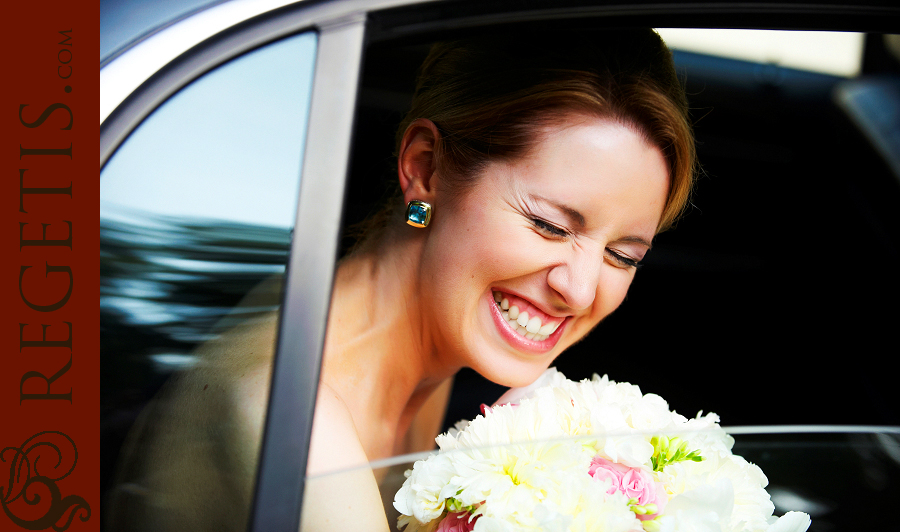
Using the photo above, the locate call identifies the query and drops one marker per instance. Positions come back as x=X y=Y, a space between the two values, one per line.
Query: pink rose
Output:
x=635 y=483
x=602 y=469
x=457 y=522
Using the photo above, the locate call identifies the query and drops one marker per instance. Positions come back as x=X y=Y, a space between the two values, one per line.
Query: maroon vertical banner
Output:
x=49 y=278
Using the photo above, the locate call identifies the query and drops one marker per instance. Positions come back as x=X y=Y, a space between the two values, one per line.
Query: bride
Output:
x=535 y=177
x=534 y=172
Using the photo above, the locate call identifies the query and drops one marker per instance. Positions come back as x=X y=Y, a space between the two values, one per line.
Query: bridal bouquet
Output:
x=594 y=455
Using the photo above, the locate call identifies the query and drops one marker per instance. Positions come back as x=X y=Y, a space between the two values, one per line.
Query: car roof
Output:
x=127 y=26
x=125 y=22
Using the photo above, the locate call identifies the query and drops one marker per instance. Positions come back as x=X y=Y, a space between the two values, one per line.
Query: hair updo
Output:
x=492 y=97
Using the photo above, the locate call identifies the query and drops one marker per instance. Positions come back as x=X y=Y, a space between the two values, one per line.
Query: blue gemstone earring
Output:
x=418 y=213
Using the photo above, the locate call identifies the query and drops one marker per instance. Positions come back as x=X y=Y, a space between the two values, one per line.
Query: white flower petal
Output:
x=791 y=522
x=523 y=466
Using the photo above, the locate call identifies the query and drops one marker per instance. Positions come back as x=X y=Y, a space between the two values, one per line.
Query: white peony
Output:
x=420 y=496
x=651 y=414
x=704 y=509
x=791 y=522
x=524 y=466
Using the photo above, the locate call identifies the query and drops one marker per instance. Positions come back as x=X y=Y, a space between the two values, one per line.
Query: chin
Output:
x=515 y=374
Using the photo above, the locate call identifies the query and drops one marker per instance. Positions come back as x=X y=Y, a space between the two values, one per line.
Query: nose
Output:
x=576 y=279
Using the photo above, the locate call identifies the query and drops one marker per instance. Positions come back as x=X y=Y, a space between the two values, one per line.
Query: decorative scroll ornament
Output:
x=31 y=498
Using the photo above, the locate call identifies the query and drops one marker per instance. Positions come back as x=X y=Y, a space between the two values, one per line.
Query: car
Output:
x=241 y=140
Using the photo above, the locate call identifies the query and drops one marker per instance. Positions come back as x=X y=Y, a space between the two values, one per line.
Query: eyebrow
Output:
x=574 y=216
x=636 y=240
x=578 y=219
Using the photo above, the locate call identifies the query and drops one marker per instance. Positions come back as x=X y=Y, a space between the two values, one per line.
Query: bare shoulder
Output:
x=335 y=440
x=341 y=491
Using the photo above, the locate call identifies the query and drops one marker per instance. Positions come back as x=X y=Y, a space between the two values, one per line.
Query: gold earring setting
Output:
x=418 y=213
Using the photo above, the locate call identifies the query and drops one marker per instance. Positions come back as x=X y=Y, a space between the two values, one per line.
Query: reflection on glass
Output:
x=196 y=213
x=836 y=477
x=830 y=476
x=828 y=52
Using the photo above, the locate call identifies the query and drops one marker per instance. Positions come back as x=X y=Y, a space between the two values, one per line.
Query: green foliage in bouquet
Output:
x=455 y=505
x=670 y=451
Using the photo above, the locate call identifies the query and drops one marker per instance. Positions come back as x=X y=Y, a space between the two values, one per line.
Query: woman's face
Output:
x=554 y=235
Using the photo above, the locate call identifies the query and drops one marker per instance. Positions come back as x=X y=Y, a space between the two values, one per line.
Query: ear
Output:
x=416 y=161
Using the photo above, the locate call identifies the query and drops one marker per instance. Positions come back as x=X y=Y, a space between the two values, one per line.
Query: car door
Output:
x=152 y=260
x=198 y=206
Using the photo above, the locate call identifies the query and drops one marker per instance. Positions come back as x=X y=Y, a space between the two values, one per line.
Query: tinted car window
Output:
x=197 y=209
x=862 y=465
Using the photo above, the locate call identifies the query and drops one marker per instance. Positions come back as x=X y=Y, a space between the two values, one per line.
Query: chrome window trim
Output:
x=152 y=84
x=149 y=84
x=142 y=76
x=119 y=78
x=295 y=375
x=186 y=68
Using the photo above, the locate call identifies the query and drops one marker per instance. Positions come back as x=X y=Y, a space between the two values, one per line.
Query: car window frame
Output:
x=344 y=27
x=308 y=281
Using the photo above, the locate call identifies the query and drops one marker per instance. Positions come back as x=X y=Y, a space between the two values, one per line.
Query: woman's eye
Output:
x=548 y=228
x=622 y=260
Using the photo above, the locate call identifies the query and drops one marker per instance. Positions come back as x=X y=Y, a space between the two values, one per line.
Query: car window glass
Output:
x=196 y=213
x=862 y=466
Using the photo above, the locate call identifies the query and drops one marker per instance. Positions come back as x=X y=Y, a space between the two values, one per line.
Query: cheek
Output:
x=611 y=293
x=613 y=289
x=466 y=252
x=489 y=244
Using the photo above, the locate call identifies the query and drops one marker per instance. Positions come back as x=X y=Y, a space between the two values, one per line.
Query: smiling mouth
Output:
x=523 y=317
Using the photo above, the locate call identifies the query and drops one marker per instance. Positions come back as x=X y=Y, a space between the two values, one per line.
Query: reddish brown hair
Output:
x=492 y=97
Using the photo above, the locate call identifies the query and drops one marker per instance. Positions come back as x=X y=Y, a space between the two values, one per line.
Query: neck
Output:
x=379 y=356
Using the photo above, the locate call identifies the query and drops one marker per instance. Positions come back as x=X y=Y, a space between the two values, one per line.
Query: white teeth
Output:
x=531 y=327
x=525 y=332
x=523 y=319
x=549 y=329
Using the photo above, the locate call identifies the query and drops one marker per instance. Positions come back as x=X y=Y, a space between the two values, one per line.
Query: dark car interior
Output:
x=777 y=289
x=772 y=302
